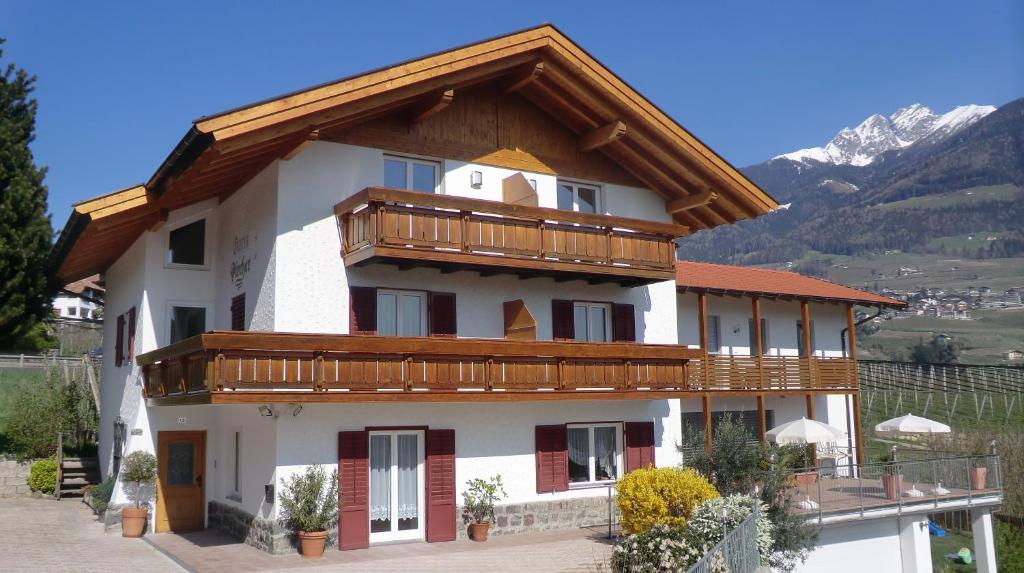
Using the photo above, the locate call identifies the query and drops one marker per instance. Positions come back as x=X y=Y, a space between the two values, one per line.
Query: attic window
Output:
x=577 y=197
x=186 y=245
x=411 y=174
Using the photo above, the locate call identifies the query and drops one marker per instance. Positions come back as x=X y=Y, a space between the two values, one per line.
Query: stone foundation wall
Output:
x=265 y=534
x=545 y=516
x=14 y=478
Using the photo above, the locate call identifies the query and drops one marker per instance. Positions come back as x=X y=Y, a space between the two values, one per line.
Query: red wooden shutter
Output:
x=440 y=483
x=354 y=485
x=238 y=312
x=119 y=342
x=552 y=444
x=623 y=323
x=639 y=445
x=362 y=310
x=563 y=325
x=131 y=334
x=442 y=314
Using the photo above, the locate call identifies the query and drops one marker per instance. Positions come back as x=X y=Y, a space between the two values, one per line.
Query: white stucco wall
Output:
x=62 y=303
x=858 y=546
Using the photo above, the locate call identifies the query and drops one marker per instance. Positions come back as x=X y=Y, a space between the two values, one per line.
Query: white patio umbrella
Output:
x=911 y=424
x=804 y=431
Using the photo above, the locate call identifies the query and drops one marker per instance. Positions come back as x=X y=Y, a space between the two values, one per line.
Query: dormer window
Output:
x=579 y=197
x=186 y=245
x=412 y=174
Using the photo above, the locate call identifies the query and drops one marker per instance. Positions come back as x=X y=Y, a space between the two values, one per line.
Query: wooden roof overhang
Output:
x=220 y=153
x=790 y=297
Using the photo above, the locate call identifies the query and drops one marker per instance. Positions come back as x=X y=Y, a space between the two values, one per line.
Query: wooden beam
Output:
x=805 y=320
x=431 y=105
x=293 y=149
x=159 y=220
x=602 y=136
x=755 y=304
x=523 y=76
x=691 y=202
x=810 y=416
x=762 y=420
x=858 y=432
x=706 y=402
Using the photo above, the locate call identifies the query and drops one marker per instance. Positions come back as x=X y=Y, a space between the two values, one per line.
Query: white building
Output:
x=453 y=268
x=80 y=300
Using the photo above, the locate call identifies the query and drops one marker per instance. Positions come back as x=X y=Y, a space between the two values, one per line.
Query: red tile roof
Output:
x=708 y=277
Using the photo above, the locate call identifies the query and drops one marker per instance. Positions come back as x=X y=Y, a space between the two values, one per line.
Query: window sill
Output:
x=591 y=485
x=184 y=267
x=233 y=497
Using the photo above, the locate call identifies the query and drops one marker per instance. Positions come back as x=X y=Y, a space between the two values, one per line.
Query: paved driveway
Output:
x=48 y=535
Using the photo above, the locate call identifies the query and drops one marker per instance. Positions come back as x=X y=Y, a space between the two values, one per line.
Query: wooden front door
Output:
x=180 y=494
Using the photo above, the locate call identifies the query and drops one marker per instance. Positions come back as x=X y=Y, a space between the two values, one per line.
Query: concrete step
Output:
x=79 y=463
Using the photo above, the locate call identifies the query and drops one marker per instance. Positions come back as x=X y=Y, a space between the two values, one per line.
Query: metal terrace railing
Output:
x=914 y=485
x=737 y=551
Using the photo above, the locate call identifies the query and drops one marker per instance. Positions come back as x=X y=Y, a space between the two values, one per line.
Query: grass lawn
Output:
x=951 y=543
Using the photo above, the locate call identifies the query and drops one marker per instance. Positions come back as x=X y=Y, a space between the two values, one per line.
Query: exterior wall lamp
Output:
x=476 y=179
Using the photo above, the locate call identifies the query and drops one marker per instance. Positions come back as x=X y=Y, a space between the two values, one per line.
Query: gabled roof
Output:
x=747 y=281
x=219 y=153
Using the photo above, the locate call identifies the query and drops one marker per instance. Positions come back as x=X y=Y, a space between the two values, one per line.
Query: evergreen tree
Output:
x=25 y=232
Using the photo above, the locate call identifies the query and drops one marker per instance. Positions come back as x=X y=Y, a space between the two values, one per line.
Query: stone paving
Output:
x=49 y=535
x=576 y=550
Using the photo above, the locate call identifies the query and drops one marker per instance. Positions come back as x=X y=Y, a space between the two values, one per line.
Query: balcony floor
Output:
x=845 y=495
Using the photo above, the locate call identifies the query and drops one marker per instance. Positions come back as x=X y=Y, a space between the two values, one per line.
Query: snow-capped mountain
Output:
x=878 y=134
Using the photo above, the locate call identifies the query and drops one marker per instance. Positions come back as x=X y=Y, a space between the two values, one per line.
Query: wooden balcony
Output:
x=774 y=374
x=457 y=233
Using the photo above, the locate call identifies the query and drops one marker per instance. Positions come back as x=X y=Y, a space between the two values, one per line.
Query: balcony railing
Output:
x=410 y=228
x=293 y=367
x=836 y=493
x=775 y=373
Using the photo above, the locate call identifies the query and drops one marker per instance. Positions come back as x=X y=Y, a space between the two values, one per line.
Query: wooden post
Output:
x=762 y=420
x=757 y=350
x=702 y=319
x=60 y=463
x=707 y=422
x=805 y=342
x=810 y=416
x=851 y=333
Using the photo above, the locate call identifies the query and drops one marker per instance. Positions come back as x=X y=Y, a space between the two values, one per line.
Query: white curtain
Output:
x=380 y=478
x=579 y=454
x=604 y=453
x=408 y=460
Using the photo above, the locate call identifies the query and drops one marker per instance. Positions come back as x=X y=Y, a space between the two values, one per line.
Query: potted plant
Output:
x=479 y=499
x=798 y=458
x=309 y=506
x=138 y=472
x=978 y=470
x=892 y=479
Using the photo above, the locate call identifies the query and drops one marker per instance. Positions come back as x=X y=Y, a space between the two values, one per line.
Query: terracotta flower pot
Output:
x=133 y=521
x=978 y=477
x=478 y=531
x=806 y=478
x=892 y=484
x=312 y=543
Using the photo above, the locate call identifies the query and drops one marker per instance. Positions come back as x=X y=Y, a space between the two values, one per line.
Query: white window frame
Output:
x=607 y=319
x=421 y=518
x=592 y=462
x=575 y=186
x=235 y=472
x=207 y=243
x=72 y=311
x=424 y=297
x=409 y=160
x=171 y=305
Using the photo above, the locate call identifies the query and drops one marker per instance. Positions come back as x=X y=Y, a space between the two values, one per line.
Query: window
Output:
x=412 y=174
x=187 y=321
x=800 y=338
x=236 y=468
x=120 y=431
x=238 y=312
x=595 y=452
x=578 y=197
x=714 y=334
x=186 y=245
x=764 y=336
x=694 y=421
x=72 y=311
x=401 y=313
x=592 y=321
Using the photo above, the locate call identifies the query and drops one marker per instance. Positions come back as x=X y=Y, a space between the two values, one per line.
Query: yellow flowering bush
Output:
x=666 y=496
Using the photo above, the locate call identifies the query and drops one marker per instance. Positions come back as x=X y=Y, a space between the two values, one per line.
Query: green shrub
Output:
x=38 y=411
x=42 y=476
x=99 y=496
x=651 y=496
x=309 y=501
x=138 y=471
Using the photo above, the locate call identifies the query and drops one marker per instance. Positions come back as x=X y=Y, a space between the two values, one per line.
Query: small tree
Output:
x=480 y=497
x=138 y=471
x=309 y=502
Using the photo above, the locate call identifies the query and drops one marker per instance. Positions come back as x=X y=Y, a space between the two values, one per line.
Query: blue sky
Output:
x=120 y=82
